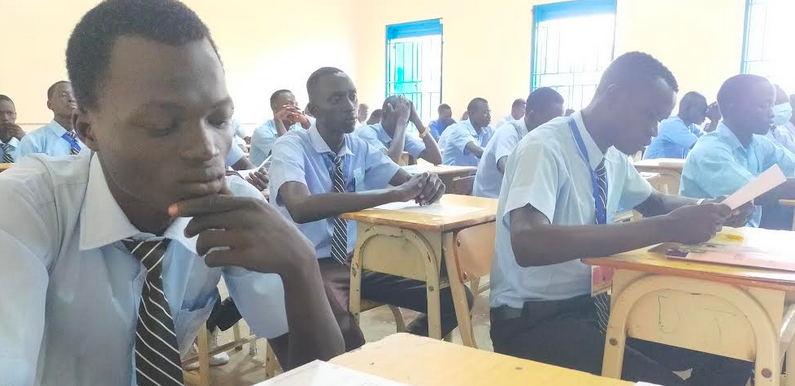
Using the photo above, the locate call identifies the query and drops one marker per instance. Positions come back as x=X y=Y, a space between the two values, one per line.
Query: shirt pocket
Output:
x=358 y=180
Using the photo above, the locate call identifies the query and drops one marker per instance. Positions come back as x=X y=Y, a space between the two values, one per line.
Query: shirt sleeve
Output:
x=535 y=181
x=371 y=137
x=28 y=145
x=636 y=188
x=715 y=171
x=459 y=138
x=678 y=133
x=780 y=156
x=504 y=143
x=413 y=145
x=287 y=165
x=262 y=142
x=235 y=154
x=379 y=168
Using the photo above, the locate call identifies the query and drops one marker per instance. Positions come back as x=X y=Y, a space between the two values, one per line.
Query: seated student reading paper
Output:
x=103 y=280
x=563 y=184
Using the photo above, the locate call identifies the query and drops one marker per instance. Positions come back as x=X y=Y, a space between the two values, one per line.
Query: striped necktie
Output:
x=74 y=148
x=339 y=240
x=7 y=157
x=602 y=300
x=157 y=360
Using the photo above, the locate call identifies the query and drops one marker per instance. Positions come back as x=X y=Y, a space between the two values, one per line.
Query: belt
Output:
x=504 y=313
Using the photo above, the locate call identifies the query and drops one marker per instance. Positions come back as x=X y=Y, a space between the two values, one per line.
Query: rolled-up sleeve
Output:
x=413 y=145
x=287 y=165
x=262 y=142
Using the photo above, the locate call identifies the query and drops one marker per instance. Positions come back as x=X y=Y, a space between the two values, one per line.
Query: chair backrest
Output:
x=474 y=252
x=462 y=185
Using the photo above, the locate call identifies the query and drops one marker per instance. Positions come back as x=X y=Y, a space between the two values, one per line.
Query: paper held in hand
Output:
x=760 y=185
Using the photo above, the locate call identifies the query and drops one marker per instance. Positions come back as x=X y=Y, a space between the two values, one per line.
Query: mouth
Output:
x=202 y=183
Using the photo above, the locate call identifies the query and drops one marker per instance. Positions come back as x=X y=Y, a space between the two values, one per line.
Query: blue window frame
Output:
x=414 y=64
x=572 y=45
x=767 y=44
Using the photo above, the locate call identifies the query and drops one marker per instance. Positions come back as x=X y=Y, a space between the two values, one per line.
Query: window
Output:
x=572 y=46
x=767 y=48
x=414 y=64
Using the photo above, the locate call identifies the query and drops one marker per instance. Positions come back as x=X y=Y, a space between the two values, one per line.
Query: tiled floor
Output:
x=245 y=370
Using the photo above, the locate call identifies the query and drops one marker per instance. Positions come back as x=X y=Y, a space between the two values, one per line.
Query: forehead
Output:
x=7 y=106
x=761 y=91
x=657 y=96
x=61 y=87
x=331 y=84
x=286 y=97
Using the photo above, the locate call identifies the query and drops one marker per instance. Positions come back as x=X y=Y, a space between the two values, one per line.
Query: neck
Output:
x=389 y=130
x=685 y=120
x=477 y=128
x=5 y=135
x=142 y=216
x=596 y=124
x=66 y=123
x=334 y=139
x=744 y=136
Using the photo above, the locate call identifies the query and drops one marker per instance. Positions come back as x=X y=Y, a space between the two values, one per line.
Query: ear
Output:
x=81 y=121
x=49 y=104
x=613 y=95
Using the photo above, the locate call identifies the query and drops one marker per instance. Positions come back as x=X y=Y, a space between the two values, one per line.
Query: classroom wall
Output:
x=265 y=45
x=487 y=44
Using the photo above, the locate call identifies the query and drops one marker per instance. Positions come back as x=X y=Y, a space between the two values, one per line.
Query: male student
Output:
x=321 y=173
x=441 y=123
x=464 y=141
x=390 y=134
x=57 y=138
x=724 y=161
x=563 y=184
x=375 y=117
x=361 y=114
x=517 y=112
x=543 y=104
x=286 y=116
x=10 y=132
x=782 y=132
x=677 y=134
x=111 y=259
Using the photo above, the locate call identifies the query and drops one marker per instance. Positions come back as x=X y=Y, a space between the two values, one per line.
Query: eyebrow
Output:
x=175 y=107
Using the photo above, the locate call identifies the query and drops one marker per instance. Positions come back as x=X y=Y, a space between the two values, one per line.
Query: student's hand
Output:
x=259 y=179
x=695 y=224
x=14 y=130
x=425 y=189
x=413 y=116
x=292 y=114
x=740 y=216
x=713 y=112
x=244 y=232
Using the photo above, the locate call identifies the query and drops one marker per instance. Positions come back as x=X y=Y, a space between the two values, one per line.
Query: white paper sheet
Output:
x=433 y=209
x=646 y=384
x=320 y=373
x=760 y=185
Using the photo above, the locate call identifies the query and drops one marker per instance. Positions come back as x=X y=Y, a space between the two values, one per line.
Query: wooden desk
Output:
x=670 y=170
x=445 y=172
x=413 y=242
x=426 y=362
x=4 y=167
x=738 y=312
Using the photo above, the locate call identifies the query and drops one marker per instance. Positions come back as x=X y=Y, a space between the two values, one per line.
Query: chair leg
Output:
x=462 y=311
x=204 y=357
x=474 y=286
x=270 y=361
x=252 y=344
x=400 y=324
x=236 y=334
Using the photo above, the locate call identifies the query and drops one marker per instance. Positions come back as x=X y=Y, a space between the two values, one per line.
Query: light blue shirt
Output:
x=13 y=149
x=235 y=154
x=488 y=179
x=547 y=171
x=673 y=139
x=784 y=136
x=377 y=137
x=47 y=139
x=303 y=156
x=70 y=291
x=263 y=139
x=456 y=138
x=719 y=165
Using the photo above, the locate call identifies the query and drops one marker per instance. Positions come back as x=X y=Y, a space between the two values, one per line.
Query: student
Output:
x=568 y=112
x=81 y=305
x=780 y=133
x=543 y=105
x=563 y=184
x=57 y=138
x=677 y=134
x=390 y=135
x=361 y=115
x=464 y=141
x=10 y=132
x=724 y=161
x=517 y=112
x=286 y=116
x=323 y=172
x=375 y=117
x=441 y=123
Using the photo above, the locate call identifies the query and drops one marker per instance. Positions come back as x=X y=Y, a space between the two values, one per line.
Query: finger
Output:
x=224 y=258
x=437 y=195
x=214 y=221
x=216 y=203
x=214 y=238
x=429 y=188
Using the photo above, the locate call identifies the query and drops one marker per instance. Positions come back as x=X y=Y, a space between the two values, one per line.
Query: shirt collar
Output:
x=383 y=136
x=320 y=145
x=470 y=127
x=56 y=128
x=595 y=155
x=13 y=142
x=728 y=137
x=520 y=126
x=102 y=222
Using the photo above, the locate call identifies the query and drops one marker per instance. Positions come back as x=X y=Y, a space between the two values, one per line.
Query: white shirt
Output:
x=547 y=171
x=488 y=179
x=69 y=289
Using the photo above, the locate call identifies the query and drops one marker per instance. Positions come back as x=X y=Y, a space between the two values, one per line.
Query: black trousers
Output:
x=565 y=333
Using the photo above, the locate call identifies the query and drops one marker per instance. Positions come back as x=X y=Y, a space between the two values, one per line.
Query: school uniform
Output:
x=235 y=152
x=263 y=139
x=457 y=136
x=377 y=137
x=784 y=136
x=8 y=151
x=674 y=139
x=507 y=119
x=51 y=139
x=488 y=179
x=303 y=156
x=546 y=313
x=438 y=127
x=70 y=289
x=719 y=165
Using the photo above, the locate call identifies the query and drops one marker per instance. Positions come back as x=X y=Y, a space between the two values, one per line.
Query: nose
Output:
x=200 y=145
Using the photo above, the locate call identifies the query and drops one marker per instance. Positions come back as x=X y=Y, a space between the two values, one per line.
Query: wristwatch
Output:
x=701 y=201
x=425 y=133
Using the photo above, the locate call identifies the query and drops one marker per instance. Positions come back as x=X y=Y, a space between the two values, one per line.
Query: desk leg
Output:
x=434 y=307
x=458 y=292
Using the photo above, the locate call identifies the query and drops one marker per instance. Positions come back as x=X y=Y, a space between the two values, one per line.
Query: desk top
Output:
x=4 y=167
x=661 y=163
x=440 y=169
x=427 y=362
x=644 y=260
x=451 y=212
x=781 y=202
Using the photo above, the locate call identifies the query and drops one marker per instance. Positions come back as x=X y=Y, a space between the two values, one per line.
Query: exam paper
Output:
x=760 y=185
x=434 y=209
x=319 y=373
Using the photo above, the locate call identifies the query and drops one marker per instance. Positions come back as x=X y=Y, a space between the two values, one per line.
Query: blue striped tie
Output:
x=339 y=239
x=602 y=300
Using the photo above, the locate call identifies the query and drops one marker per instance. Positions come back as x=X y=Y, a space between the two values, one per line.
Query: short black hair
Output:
x=442 y=107
x=518 y=102
x=690 y=97
x=276 y=94
x=4 y=97
x=393 y=100
x=315 y=78
x=736 y=88
x=51 y=90
x=473 y=104
x=91 y=43
x=635 y=68
x=542 y=98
